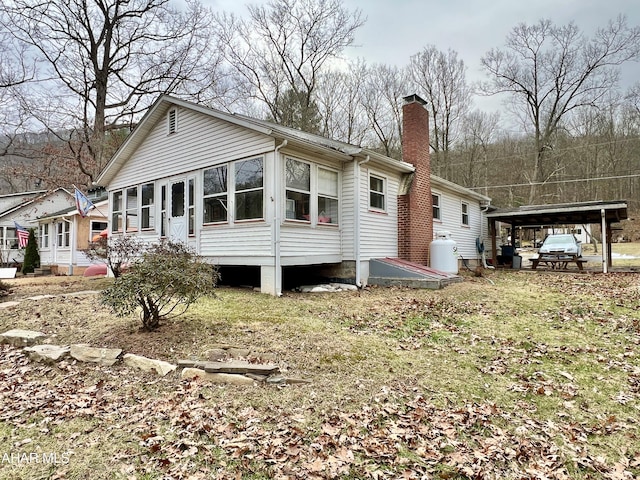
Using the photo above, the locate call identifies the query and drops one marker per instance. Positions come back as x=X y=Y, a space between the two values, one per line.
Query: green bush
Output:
x=31 y=254
x=164 y=281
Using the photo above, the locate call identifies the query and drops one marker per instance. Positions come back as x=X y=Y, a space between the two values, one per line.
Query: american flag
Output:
x=23 y=235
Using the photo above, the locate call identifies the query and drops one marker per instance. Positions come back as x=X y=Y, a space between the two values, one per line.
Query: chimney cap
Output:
x=414 y=98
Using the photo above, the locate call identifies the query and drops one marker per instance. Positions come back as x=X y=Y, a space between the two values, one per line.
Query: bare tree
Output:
x=477 y=133
x=284 y=46
x=441 y=78
x=551 y=71
x=339 y=100
x=15 y=68
x=104 y=60
x=383 y=90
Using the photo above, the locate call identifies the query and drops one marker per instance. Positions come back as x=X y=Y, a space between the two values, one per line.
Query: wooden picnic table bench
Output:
x=557 y=262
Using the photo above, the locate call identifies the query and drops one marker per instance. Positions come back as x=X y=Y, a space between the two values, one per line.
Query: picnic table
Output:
x=557 y=262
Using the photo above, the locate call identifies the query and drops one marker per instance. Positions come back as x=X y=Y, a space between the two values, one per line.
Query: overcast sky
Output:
x=397 y=29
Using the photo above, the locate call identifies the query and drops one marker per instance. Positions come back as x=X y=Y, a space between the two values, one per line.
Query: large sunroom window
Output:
x=249 y=177
x=148 y=207
x=298 y=178
x=116 y=211
x=215 y=195
x=327 y=196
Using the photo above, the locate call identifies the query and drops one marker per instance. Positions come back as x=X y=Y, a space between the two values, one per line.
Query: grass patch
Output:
x=524 y=375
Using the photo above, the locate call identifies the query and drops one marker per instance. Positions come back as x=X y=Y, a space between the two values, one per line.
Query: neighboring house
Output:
x=244 y=192
x=25 y=211
x=10 y=200
x=64 y=235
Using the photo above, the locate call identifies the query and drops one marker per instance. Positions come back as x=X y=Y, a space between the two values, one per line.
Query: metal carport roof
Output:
x=559 y=214
x=597 y=212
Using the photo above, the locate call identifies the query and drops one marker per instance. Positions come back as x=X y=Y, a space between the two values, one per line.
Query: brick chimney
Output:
x=415 y=210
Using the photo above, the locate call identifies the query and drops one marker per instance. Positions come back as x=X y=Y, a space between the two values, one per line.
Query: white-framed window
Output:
x=148 y=207
x=131 y=212
x=44 y=235
x=377 y=193
x=435 y=202
x=11 y=239
x=215 y=200
x=328 y=196
x=191 y=206
x=164 y=227
x=172 y=121
x=116 y=211
x=298 y=190
x=249 y=194
x=96 y=229
x=465 y=214
x=242 y=180
x=133 y=208
x=63 y=230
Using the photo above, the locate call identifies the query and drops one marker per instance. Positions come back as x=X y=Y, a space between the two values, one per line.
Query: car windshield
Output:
x=558 y=239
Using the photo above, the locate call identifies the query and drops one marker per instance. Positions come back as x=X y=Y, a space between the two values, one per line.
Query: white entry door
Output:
x=177 y=212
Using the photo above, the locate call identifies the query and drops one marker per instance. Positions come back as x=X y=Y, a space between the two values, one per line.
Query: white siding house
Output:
x=25 y=212
x=244 y=192
x=64 y=235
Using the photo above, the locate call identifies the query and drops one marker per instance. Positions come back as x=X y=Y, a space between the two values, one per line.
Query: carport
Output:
x=531 y=216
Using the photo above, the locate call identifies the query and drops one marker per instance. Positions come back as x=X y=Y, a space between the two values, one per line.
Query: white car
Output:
x=561 y=244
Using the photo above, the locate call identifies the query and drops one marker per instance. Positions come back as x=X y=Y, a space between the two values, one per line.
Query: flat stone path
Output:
x=13 y=303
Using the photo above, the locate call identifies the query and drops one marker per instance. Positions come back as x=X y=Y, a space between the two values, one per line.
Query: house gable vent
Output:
x=172 y=121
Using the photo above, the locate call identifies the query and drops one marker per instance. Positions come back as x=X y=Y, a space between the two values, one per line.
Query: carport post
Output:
x=605 y=248
x=494 y=248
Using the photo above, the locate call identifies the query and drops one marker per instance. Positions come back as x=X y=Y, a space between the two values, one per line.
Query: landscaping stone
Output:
x=21 y=338
x=239 y=352
x=103 y=356
x=187 y=363
x=280 y=380
x=148 y=364
x=41 y=297
x=265 y=357
x=47 y=353
x=215 y=354
x=276 y=380
x=8 y=304
x=228 y=378
x=238 y=366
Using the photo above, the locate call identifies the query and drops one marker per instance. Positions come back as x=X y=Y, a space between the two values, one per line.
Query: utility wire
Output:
x=575 y=180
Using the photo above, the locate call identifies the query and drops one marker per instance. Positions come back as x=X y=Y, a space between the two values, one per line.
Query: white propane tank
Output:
x=444 y=253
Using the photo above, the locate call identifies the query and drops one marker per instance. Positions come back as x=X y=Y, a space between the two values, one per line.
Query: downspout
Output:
x=277 y=220
x=356 y=219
